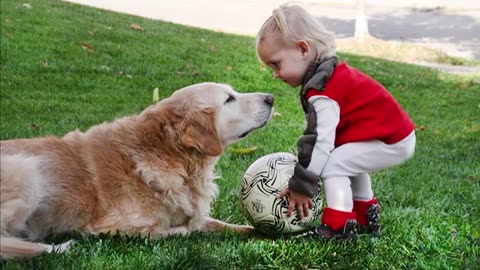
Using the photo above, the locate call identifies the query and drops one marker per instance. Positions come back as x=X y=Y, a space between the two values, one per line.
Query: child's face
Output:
x=288 y=62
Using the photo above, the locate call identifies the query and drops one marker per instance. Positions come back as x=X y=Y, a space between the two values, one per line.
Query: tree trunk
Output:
x=361 y=25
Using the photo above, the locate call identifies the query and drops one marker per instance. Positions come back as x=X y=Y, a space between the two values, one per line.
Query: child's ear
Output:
x=303 y=47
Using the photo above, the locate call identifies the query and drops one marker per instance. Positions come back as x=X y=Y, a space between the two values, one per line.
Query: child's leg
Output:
x=338 y=219
x=352 y=159
x=365 y=205
x=361 y=187
x=338 y=195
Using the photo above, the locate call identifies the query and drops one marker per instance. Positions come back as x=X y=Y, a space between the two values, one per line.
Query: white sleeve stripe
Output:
x=328 y=117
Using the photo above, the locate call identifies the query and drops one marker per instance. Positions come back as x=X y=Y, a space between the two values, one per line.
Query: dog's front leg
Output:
x=163 y=232
x=155 y=178
x=212 y=225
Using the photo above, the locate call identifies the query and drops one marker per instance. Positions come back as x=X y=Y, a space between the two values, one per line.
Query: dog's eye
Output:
x=230 y=99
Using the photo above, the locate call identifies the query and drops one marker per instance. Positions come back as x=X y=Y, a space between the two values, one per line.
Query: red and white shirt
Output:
x=353 y=107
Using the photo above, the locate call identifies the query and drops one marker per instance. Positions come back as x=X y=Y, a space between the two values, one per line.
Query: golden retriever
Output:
x=149 y=174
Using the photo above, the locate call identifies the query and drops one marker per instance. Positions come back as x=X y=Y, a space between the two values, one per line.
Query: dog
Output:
x=150 y=174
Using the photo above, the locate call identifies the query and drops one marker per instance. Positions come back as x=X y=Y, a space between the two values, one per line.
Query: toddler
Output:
x=354 y=125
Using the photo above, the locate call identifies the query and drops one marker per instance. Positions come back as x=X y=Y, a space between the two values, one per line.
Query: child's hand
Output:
x=302 y=202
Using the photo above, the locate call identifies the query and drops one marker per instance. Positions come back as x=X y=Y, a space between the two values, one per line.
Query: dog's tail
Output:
x=14 y=248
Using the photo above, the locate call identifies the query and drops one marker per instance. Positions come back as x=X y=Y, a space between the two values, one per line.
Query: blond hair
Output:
x=295 y=24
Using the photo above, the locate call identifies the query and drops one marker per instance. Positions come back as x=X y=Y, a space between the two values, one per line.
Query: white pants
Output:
x=345 y=175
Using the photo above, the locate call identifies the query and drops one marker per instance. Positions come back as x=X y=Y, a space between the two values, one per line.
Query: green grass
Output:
x=51 y=85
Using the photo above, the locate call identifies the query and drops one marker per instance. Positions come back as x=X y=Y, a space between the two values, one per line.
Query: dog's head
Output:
x=207 y=117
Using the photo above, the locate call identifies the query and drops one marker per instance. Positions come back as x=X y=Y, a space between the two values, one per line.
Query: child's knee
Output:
x=408 y=149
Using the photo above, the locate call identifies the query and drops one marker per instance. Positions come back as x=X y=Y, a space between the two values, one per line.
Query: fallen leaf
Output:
x=228 y=68
x=471 y=177
x=121 y=74
x=474 y=128
x=156 y=98
x=27 y=6
x=402 y=88
x=91 y=33
x=244 y=151
x=136 y=27
x=45 y=63
x=421 y=128
x=213 y=48
x=195 y=73
x=87 y=47
x=276 y=114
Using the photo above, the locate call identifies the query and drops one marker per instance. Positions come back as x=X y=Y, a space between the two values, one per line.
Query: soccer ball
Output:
x=261 y=184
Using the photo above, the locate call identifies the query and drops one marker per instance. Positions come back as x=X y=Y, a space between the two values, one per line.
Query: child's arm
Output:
x=327 y=119
x=315 y=145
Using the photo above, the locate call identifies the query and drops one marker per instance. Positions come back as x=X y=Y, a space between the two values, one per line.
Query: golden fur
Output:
x=149 y=174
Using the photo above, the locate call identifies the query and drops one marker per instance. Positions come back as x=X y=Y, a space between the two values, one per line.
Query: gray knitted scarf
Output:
x=317 y=76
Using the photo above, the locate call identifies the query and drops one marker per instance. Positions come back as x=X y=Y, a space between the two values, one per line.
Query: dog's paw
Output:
x=60 y=248
x=242 y=228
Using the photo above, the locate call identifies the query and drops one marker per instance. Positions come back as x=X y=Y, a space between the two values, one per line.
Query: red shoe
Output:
x=368 y=215
x=347 y=232
x=337 y=224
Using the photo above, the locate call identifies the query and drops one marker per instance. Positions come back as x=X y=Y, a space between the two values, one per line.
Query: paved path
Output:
x=455 y=32
x=453 y=28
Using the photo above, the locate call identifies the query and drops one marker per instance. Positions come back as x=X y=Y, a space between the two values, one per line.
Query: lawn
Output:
x=65 y=66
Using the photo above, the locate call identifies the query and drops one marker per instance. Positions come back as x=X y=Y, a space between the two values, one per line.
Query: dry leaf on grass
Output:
x=136 y=27
x=195 y=73
x=34 y=126
x=156 y=98
x=87 y=47
x=244 y=151
x=213 y=48
x=121 y=74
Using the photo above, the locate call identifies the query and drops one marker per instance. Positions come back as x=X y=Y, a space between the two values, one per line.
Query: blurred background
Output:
x=443 y=34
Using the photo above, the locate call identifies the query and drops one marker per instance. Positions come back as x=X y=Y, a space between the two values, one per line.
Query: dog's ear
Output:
x=199 y=131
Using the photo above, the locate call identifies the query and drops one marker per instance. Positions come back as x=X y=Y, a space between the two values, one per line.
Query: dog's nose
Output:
x=269 y=99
